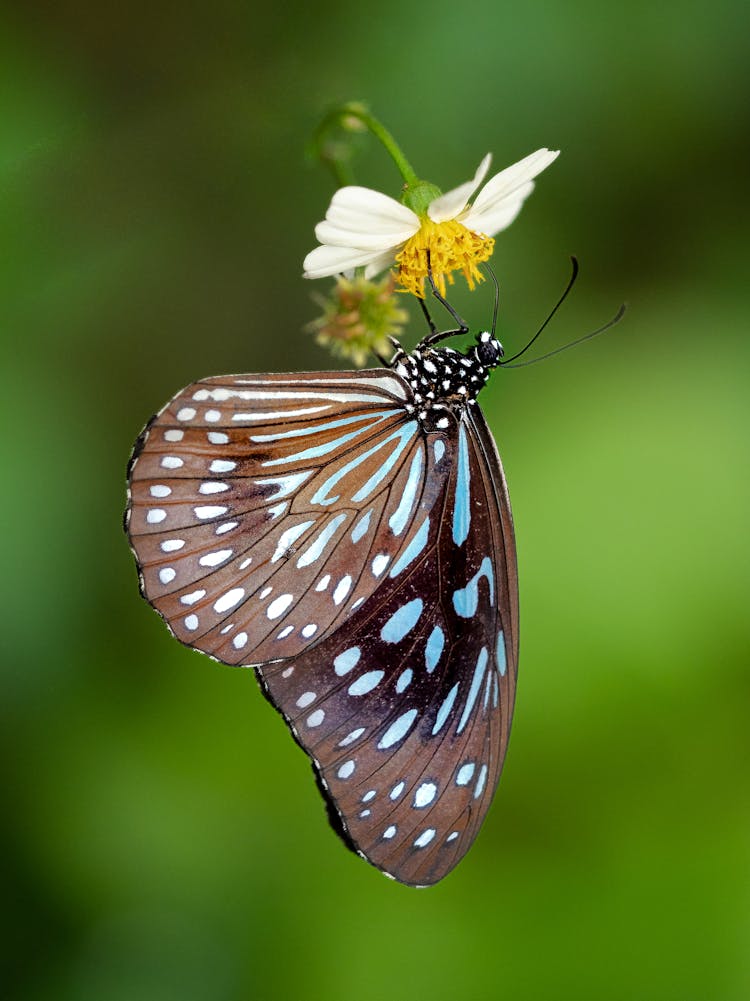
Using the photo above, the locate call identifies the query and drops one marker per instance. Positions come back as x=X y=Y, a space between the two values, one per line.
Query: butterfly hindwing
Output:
x=405 y=709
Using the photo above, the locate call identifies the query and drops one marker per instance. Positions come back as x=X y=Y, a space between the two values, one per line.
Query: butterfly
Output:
x=349 y=535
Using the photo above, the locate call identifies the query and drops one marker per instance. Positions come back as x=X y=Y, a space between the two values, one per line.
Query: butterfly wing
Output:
x=405 y=710
x=309 y=525
x=255 y=502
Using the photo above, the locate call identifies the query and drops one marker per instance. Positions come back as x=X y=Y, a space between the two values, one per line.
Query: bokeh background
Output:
x=162 y=837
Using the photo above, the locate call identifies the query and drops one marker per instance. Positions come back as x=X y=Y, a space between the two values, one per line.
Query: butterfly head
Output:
x=488 y=350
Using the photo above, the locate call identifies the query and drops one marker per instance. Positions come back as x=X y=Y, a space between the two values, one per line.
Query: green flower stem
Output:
x=331 y=154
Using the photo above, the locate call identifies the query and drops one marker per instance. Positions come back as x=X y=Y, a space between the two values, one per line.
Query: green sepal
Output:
x=418 y=197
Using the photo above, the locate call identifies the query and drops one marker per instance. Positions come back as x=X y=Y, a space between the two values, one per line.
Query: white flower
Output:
x=364 y=228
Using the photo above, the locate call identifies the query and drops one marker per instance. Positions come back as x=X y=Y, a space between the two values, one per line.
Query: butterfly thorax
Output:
x=443 y=379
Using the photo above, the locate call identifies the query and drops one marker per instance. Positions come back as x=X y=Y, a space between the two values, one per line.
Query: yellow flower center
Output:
x=445 y=247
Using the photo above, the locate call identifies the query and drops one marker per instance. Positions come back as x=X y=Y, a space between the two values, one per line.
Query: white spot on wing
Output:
x=351 y=737
x=209 y=511
x=425 y=794
x=379 y=563
x=214 y=559
x=425 y=838
x=480 y=782
x=279 y=605
x=190 y=599
x=229 y=600
x=342 y=589
x=465 y=773
x=316 y=718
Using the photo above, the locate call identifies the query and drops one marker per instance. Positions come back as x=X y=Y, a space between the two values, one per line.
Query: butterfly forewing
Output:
x=255 y=502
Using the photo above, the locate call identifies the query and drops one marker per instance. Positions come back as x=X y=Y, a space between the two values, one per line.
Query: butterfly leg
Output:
x=399 y=354
x=438 y=335
x=430 y=324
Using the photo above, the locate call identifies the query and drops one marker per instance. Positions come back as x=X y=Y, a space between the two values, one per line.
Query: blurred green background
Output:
x=162 y=836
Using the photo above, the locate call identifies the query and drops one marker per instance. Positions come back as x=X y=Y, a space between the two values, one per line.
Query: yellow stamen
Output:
x=451 y=246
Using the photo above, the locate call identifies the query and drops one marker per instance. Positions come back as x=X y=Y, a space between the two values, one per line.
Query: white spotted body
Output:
x=443 y=379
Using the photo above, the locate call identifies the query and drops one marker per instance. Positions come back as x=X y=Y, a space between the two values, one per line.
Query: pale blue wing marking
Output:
x=462 y=501
x=466 y=599
x=402 y=621
x=476 y=683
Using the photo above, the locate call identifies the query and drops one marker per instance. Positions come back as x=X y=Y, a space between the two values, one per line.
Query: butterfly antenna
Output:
x=557 y=305
x=579 y=340
x=497 y=297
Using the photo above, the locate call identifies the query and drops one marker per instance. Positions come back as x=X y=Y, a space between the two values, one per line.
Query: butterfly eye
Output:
x=348 y=535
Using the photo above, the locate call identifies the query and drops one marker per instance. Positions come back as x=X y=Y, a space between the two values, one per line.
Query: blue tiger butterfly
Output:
x=349 y=535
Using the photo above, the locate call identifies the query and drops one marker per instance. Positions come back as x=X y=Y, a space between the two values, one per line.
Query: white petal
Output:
x=449 y=205
x=508 y=181
x=325 y=261
x=498 y=216
x=355 y=220
x=369 y=210
x=333 y=236
x=381 y=263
